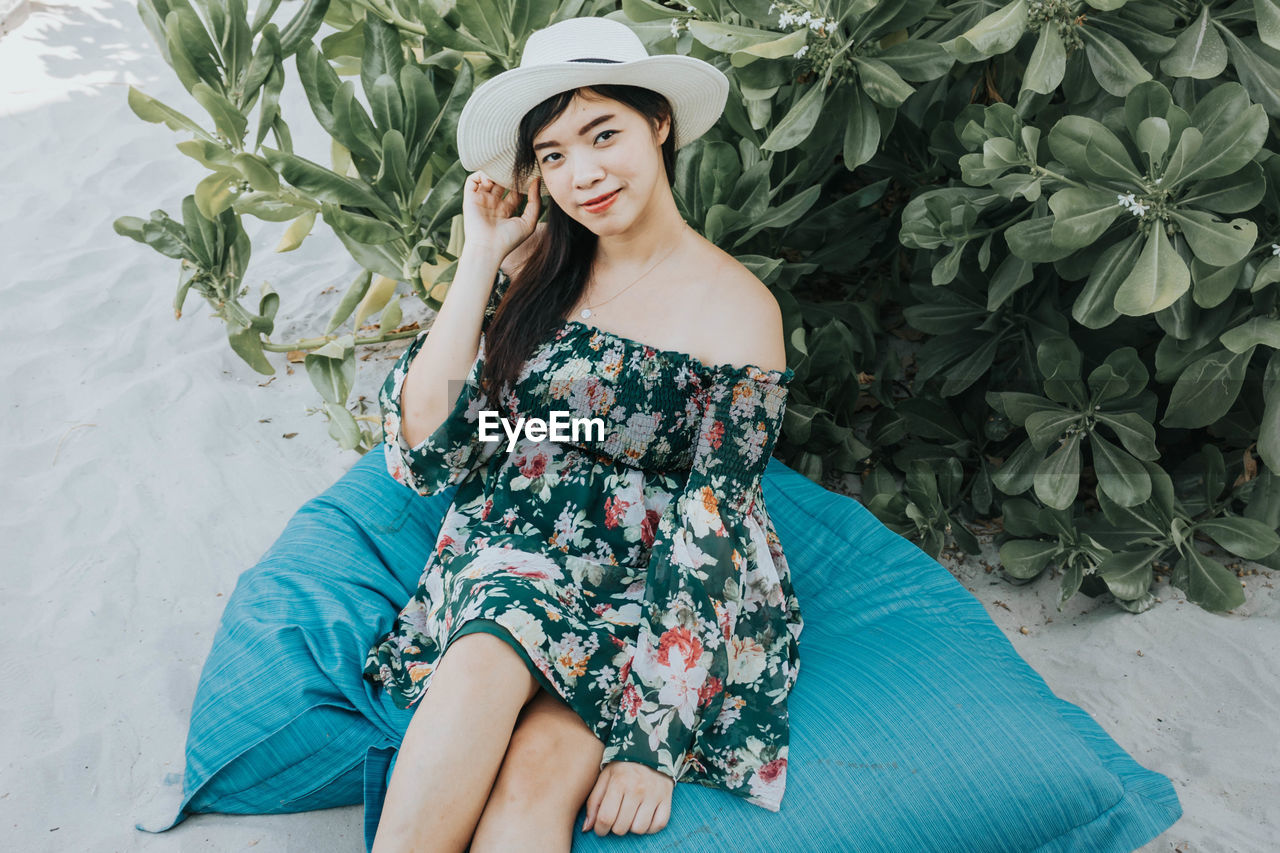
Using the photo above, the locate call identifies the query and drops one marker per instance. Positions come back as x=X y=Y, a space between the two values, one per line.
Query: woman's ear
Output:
x=663 y=128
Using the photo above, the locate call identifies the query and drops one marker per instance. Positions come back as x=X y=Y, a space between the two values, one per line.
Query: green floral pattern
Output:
x=640 y=572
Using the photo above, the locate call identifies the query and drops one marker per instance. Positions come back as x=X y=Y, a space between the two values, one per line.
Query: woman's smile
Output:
x=602 y=205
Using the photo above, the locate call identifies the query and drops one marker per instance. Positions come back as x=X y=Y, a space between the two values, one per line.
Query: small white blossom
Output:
x=675 y=27
x=1275 y=248
x=804 y=48
x=1131 y=204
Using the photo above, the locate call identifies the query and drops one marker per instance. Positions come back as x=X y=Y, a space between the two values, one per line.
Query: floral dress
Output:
x=636 y=572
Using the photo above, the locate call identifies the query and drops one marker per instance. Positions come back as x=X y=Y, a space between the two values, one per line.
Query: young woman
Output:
x=602 y=616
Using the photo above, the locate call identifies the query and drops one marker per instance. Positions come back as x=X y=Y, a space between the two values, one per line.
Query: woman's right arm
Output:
x=452 y=344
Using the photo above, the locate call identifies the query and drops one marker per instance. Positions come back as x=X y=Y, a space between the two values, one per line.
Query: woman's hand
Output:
x=489 y=220
x=629 y=797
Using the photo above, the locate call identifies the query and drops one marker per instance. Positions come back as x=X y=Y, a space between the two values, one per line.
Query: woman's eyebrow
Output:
x=586 y=127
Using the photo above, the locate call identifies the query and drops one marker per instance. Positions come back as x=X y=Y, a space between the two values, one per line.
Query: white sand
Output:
x=140 y=479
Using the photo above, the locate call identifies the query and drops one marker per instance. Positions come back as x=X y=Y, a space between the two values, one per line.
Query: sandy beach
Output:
x=146 y=466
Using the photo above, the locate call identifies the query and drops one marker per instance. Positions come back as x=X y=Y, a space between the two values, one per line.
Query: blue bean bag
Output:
x=915 y=725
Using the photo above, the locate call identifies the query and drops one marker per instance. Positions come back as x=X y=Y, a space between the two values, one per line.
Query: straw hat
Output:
x=582 y=52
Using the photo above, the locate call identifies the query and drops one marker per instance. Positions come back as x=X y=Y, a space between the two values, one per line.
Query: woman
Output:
x=616 y=613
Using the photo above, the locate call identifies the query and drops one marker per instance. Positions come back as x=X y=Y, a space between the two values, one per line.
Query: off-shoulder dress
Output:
x=637 y=573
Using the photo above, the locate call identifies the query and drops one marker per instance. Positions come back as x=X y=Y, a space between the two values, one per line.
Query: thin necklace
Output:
x=586 y=312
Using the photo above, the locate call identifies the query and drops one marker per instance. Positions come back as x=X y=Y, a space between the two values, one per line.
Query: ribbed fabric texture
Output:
x=915 y=725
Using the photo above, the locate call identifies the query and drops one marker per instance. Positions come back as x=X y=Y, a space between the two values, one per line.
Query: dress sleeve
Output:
x=704 y=550
x=445 y=457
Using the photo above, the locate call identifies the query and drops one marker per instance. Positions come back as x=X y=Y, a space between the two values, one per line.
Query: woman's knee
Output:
x=483 y=659
x=552 y=744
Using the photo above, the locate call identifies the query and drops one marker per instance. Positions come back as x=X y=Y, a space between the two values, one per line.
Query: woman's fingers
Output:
x=631 y=802
x=661 y=815
x=593 y=801
x=607 y=815
x=533 y=204
x=644 y=816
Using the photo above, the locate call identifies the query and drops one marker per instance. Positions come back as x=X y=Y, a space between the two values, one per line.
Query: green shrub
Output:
x=1065 y=213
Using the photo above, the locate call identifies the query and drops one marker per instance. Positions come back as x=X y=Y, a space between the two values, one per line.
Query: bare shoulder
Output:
x=742 y=319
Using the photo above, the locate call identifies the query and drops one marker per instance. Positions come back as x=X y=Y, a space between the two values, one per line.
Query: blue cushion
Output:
x=915 y=724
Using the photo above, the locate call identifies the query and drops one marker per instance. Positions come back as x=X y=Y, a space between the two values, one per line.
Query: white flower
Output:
x=675 y=27
x=804 y=48
x=1275 y=248
x=1131 y=204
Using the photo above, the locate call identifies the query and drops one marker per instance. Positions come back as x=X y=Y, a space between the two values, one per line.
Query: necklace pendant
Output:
x=586 y=312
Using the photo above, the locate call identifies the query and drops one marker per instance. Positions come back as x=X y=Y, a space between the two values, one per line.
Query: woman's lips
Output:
x=603 y=205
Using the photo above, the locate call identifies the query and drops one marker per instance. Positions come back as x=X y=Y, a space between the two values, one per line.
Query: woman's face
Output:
x=600 y=146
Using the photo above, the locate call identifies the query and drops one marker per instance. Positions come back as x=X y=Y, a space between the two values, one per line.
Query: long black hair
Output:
x=553 y=277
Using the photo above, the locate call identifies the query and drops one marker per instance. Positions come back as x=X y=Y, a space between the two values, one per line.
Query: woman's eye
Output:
x=598 y=135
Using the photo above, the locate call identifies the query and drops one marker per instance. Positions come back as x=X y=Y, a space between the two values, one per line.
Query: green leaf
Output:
x=1128 y=574
x=1017 y=474
x=1120 y=475
x=332 y=369
x=1057 y=480
x=270 y=207
x=778 y=48
x=1208 y=583
x=1206 y=389
x=798 y=123
x=1048 y=63
x=995 y=34
x=1135 y=433
x=246 y=342
x=214 y=193
x=1228 y=148
x=1217 y=243
x=1243 y=537
x=1087 y=147
x=1026 y=558
x=1268 y=14
x=1269 y=432
x=1012 y=275
x=342 y=426
x=917 y=60
x=362 y=229
x=1251 y=333
x=324 y=185
x=881 y=83
x=1045 y=428
x=1210 y=285
x=375 y=299
x=297 y=232
x=1157 y=279
x=1113 y=65
x=303 y=26
x=1032 y=240
x=1153 y=139
x=149 y=109
x=1120 y=376
x=229 y=121
x=1094 y=308
x=1238 y=192
x=861 y=131
x=354 y=294
x=1081 y=215
x=1198 y=52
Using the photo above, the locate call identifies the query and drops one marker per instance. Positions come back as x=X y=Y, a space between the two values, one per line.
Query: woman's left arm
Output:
x=674 y=686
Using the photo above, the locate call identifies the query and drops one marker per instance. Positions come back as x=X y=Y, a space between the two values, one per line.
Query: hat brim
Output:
x=490 y=119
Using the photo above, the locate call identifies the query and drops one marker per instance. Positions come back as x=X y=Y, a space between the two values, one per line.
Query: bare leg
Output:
x=453 y=747
x=550 y=767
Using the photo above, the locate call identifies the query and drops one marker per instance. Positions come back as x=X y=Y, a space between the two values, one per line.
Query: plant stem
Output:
x=316 y=343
